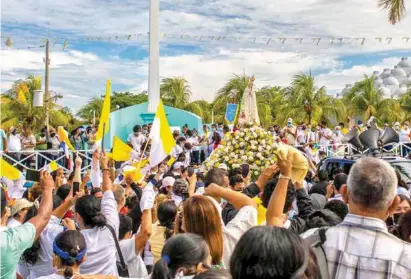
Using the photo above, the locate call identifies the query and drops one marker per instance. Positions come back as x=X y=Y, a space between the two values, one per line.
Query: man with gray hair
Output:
x=361 y=247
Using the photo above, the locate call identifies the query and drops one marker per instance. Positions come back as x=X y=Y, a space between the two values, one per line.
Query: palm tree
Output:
x=175 y=92
x=19 y=107
x=93 y=106
x=304 y=101
x=396 y=9
x=269 y=100
x=365 y=100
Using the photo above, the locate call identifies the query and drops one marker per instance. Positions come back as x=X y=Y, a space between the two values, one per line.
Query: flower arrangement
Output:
x=253 y=146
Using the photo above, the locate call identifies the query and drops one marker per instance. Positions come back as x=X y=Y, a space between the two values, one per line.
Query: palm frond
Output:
x=396 y=9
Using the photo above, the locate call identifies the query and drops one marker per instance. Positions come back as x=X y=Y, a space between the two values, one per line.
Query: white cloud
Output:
x=79 y=75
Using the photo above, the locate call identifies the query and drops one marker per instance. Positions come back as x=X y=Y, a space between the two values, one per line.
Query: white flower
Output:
x=244 y=158
x=263 y=142
x=242 y=151
x=242 y=134
x=232 y=154
x=256 y=173
x=260 y=148
x=226 y=158
x=247 y=138
x=259 y=155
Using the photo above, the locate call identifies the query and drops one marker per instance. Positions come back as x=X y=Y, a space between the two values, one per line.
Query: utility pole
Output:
x=47 y=92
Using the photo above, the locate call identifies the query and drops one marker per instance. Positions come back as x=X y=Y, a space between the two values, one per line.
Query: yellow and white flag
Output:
x=63 y=137
x=9 y=171
x=122 y=151
x=162 y=141
x=53 y=166
x=105 y=114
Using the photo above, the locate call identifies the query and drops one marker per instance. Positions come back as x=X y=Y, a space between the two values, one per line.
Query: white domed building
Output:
x=392 y=83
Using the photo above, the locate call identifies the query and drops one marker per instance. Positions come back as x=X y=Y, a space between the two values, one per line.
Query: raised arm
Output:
x=46 y=205
x=277 y=201
x=107 y=183
x=144 y=234
x=238 y=200
x=77 y=170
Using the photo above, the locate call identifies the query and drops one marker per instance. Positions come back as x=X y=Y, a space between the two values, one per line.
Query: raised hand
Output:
x=46 y=181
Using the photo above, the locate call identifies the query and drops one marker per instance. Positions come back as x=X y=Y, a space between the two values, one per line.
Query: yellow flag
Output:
x=171 y=161
x=162 y=141
x=8 y=170
x=121 y=151
x=53 y=166
x=63 y=136
x=21 y=97
x=105 y=113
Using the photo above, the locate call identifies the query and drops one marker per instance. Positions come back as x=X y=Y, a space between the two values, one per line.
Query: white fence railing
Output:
x=37 y=159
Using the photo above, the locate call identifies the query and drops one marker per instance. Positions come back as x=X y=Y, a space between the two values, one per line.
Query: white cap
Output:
x=397 y=124
x=178 y=165
x=223 y=166
x=168 y=181
x=290 y=120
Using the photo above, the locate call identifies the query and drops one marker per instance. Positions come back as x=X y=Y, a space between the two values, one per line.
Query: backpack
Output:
x=316 y=241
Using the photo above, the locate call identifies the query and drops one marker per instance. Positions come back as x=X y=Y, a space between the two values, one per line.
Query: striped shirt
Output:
x=361 y=247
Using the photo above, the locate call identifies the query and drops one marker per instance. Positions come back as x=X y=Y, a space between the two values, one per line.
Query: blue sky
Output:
x=80 y=70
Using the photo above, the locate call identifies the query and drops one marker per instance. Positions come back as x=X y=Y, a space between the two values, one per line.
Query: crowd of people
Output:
x=181 y=221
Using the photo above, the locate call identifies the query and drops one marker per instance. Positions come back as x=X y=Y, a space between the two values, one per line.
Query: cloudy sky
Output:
x=235 y=38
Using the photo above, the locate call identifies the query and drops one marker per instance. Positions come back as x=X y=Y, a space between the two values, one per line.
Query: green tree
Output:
x=366 y=101
x=19 y=107
x=304 y=101
x=118 y=99
x=175 y=92
x=396 y=9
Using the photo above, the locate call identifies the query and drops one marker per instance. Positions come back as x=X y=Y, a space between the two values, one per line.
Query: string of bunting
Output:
x=8 y=41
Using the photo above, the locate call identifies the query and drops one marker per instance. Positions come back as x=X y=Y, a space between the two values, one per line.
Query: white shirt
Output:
x=245 y=219
x=134 y=262
x=337 y=138
x=14 y=142
x=194 y=142
x=12 y=223
x=52 y=276
x=101 y=248
x=136 y=141
x=301 y=137
x=44 y=263
x=177 y=199
x=325 y=132
x=311 y=137
x=290 y=137
x=176 y=151
x=404 y=135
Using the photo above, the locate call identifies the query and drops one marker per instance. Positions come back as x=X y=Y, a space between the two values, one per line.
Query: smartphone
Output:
x=76 y=187
x=245 y=170
x=190 y=171
x=32 y=175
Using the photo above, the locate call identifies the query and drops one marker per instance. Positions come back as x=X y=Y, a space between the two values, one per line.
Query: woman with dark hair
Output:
x=404 y=206
x=272 y=252
x=70 y=250
x=98 y=221
x=403 y=230
x=37 y=260
x=164 y=228
x=216 y=139
x=183 y=255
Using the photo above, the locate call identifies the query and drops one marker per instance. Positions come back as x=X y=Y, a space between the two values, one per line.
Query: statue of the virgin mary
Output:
x=248 y=111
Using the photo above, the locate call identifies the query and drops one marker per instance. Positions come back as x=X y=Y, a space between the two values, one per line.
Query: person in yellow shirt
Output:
x=344 y=130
